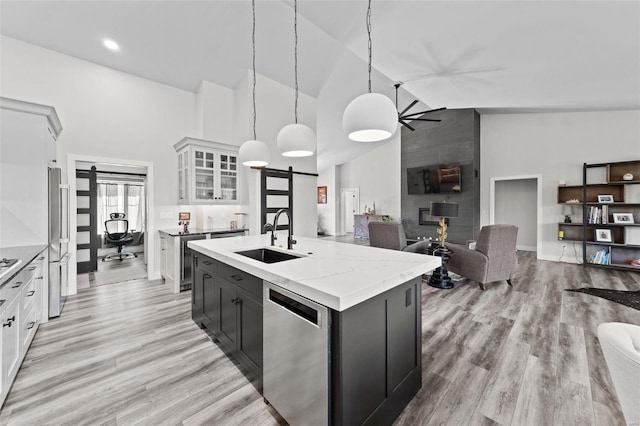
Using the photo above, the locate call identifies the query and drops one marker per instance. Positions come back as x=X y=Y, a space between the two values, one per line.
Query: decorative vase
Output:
x=627 y=176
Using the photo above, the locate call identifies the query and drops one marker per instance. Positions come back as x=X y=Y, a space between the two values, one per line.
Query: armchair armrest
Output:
x=467 y=262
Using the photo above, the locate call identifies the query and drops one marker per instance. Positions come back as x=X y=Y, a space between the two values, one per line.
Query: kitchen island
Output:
x=364 y=369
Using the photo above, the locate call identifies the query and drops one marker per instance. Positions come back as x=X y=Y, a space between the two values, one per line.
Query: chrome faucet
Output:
x=274 y=227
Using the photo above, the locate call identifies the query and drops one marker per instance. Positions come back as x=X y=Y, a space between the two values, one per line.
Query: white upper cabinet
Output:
x=207 y=172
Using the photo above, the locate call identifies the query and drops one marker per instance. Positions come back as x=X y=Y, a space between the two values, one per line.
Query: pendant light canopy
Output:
x=254 y=153
x=296 y=140
x=370 y=117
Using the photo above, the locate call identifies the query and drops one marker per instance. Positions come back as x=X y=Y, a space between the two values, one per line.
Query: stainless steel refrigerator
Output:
x=58 y=242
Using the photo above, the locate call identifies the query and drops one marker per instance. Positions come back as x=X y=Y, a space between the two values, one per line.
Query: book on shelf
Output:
x=598 y=215
x=601 y=257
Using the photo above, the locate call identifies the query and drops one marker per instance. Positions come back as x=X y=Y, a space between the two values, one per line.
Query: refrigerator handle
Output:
x=64 y=213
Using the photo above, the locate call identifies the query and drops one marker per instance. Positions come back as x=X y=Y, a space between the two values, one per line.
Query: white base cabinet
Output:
x=20 y=316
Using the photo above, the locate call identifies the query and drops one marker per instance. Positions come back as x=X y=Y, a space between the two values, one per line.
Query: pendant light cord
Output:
x=295 y=53
x=369 y=34
x=253 y=41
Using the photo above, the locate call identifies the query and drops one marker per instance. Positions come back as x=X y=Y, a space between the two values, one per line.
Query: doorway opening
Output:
x=517 y=200
x=349 y=206
x=119 y=188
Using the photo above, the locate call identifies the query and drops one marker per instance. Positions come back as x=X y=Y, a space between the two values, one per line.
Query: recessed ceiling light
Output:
x=111 y=45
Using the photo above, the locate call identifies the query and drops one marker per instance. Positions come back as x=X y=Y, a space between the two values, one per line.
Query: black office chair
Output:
x=117 y=233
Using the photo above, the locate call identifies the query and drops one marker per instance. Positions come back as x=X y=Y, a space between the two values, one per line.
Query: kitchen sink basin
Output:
x=266 y=255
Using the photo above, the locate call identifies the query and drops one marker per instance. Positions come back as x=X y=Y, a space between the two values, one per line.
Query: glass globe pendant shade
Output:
x=296 y=140
x=370 y=117
x=254 y=153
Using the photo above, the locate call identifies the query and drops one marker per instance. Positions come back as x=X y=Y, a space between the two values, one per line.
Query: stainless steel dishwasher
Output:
x=296 y=356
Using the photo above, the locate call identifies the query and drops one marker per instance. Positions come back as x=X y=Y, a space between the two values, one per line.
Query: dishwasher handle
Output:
x=298 y=308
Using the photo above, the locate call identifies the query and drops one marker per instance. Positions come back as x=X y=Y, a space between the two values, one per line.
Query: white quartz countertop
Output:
x=337 y=275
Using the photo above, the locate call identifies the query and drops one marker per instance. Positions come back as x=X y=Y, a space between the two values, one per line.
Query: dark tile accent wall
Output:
x=454 y=140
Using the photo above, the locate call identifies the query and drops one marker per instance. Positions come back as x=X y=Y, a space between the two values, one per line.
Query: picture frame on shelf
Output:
x=623 y=218
x=605 y=198
x=603 y=236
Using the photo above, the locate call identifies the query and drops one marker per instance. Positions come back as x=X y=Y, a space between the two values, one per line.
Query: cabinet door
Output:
x=402 y=311
x=204 y=171
x=197 y=295
x=211 y=301
x=227 y=314
x=163 y=257
x=11 y=340
x=183 y=176
x=250 y=326
x=228 y=177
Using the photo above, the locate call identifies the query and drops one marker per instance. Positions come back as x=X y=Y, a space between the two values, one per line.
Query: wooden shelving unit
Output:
x=625 y=244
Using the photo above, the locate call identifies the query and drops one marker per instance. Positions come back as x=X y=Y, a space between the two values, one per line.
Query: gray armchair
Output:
x=390 y=235
x=493 y=259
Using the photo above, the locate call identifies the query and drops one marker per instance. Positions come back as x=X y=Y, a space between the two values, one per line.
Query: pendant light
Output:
x=254 y=153
x=370 y=117
x=296 y=140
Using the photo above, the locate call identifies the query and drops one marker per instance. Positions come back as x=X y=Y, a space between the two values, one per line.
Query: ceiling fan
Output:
x=403 y=117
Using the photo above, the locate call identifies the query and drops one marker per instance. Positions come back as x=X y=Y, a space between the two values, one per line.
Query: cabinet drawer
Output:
x=30 y=294
x=12 y=288
x=31 y=271
x=29 y=326
x=208 y=264
x=242 y=279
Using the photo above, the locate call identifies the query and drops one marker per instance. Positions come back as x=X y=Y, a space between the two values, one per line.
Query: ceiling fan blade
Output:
x=426 y=119
x=415 y=101
x=424 y=112
x=406 y=125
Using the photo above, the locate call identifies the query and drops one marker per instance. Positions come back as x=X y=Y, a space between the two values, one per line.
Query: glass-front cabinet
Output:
x=207 y=172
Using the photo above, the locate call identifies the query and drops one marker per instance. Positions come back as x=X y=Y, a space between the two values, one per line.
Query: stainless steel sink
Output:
x=266 y=255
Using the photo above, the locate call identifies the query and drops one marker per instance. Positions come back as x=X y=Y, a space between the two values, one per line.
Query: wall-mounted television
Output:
x=437 y=179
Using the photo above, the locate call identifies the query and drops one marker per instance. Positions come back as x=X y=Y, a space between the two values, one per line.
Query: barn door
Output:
x=87 y=220
x=277 y=193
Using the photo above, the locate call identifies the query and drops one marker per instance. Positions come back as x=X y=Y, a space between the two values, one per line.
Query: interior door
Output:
x=87 y=220
x=350 y=201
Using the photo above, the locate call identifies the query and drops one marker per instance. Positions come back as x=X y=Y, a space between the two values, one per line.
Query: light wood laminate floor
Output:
x=129 y=353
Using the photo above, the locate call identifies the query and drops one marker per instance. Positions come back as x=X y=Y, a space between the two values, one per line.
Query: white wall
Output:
x=377 y=174
x=554 y=145
x=214 y=120
x=327 y=213
x=274 y=110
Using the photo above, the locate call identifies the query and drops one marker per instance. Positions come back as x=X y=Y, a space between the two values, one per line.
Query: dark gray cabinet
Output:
x=227 y=303
x=376 y=363
x=201 y=294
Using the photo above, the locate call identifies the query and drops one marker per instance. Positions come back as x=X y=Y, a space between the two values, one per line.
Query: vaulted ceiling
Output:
x=497 y=56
